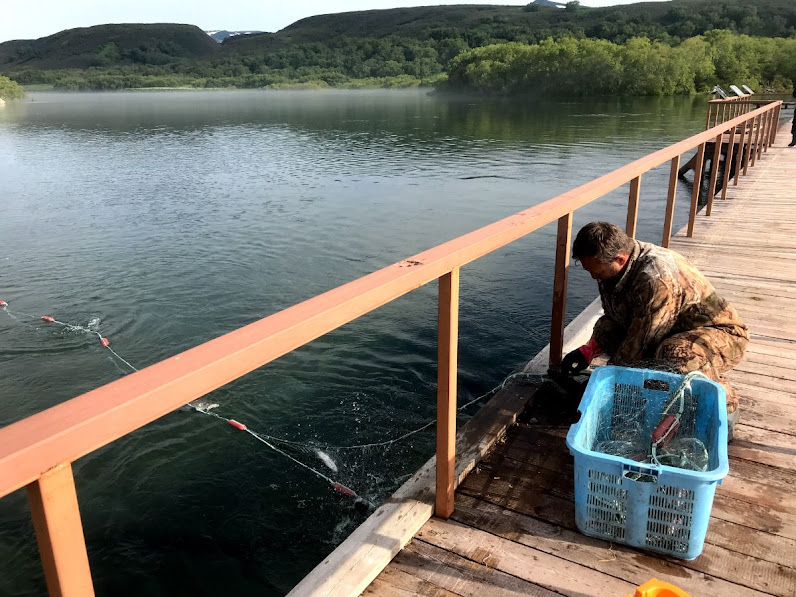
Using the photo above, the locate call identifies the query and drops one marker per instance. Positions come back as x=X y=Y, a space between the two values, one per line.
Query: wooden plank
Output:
x=750 y=378
x=533 y=565
x=524 y=496
x=761 y=445
x=615 y=559
x=461 y=576
x=393 y=582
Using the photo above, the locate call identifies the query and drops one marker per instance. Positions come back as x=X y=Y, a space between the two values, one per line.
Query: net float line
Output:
x=105 y=343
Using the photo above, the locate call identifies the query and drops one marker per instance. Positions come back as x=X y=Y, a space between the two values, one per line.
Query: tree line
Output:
x=554 y=66
x=639 y=66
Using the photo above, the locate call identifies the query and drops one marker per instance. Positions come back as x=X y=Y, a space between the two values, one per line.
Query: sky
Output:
x=38 y=18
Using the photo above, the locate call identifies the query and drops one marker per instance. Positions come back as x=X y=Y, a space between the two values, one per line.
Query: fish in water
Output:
x=326 y=459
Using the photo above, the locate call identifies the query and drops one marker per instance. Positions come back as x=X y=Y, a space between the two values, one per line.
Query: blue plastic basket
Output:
x=654 y=507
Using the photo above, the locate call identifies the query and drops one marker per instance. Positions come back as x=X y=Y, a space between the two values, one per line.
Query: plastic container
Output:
x=658 y=588
x=654 y=507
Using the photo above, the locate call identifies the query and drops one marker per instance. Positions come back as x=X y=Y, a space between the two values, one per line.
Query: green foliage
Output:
x=10 y=90
x=638 y=67
x=635 y=49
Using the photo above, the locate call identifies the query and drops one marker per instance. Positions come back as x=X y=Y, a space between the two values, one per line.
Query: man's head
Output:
x=602 y=249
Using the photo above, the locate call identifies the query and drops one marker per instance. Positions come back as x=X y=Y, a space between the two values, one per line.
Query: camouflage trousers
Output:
x=712 y=351
x=709 y=350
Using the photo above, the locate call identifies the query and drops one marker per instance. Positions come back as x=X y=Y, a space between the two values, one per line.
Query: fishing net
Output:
x=662 y=433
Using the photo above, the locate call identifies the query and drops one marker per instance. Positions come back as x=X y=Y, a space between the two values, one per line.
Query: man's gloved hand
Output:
x=574 y=363
x=580 y=358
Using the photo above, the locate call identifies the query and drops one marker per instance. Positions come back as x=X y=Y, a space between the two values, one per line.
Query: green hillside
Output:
x=106 y=45
x=399 y=47
x=480 y=25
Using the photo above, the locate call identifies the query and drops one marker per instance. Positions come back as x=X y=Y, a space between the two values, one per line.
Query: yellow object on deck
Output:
x=658 y=588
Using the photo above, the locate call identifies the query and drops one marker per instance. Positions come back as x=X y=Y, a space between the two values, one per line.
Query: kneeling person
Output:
x=659 y=311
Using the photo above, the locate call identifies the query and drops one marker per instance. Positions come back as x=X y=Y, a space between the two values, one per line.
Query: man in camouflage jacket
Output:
x=659 y=310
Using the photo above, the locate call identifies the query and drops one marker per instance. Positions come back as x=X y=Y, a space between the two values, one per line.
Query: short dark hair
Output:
x=601 y=240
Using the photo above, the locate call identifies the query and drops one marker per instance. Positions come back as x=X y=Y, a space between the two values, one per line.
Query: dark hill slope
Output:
x=90 y=46
x=482 y=24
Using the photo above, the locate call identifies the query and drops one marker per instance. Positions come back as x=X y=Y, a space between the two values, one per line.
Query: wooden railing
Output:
x=37 y=452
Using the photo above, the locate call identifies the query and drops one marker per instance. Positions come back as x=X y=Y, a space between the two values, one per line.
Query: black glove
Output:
x=574 y=362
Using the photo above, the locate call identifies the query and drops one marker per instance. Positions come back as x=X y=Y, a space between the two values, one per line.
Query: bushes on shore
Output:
x=638 y=67
x=10 y=90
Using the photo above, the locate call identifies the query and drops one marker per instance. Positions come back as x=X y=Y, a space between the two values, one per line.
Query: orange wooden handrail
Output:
x=32 y=450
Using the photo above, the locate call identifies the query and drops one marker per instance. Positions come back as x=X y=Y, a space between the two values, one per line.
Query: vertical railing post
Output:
x=710 y=111
x=700 y=159
x=758 y=124
x=776 y=124
x=59 y=533
x=632 y=206
x=714 y=171
x=447 y=366
x=728 y=162
x=669 y=217
x=764 y=120
x=557 y=321
x=748 y=151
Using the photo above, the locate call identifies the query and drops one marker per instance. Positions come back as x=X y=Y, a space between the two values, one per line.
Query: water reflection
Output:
x=174 y=217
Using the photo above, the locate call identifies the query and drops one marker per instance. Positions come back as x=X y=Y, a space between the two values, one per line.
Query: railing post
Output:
x=776 y=124
x=59 y=533
x=728 y=163
x=714 y=171
x=707 y=120
x=447 y=366
x=757 y=125
x=763 y=135
x=561 y=275
x=748 y=151
x=667 y=220
x=697 y=186
x=632 y=206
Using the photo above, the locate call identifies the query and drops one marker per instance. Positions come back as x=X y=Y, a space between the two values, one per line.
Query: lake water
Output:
x=174 y=217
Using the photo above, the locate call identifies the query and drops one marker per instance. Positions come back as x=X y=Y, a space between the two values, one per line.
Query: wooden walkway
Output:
x=513 y=531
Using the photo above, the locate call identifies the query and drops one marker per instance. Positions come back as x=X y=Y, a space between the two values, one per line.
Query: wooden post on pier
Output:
x=669 y=217
x=447 y=366
x=560 y=278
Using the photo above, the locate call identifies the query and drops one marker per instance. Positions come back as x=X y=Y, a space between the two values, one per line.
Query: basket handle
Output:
x=632 y=472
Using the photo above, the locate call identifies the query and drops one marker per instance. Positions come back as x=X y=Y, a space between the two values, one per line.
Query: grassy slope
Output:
x=77 y=48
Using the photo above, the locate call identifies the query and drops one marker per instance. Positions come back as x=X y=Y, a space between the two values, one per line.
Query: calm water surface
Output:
x=175 y=217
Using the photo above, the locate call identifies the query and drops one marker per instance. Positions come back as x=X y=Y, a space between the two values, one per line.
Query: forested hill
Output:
x=103 y=45
x=480 y=25
x=395 y=47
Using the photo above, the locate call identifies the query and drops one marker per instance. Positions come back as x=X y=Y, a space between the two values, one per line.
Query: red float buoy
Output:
x=104 y=341
x=340 y=488
x=48 y=318
x=237 y=425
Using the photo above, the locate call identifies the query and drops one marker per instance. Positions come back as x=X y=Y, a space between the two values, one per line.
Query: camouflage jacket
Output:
x=658 y=294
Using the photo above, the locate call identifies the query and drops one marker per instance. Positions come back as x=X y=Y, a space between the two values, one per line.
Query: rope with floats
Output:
x=206 y=409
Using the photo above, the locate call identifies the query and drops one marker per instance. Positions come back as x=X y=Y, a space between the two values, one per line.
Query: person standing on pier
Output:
x=659 y=311
x=793 y=126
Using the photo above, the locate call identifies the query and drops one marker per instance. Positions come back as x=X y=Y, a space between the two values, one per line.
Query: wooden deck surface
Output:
x=513 y=531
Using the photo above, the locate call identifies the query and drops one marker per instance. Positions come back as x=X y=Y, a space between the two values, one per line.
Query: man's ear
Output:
x=621 y=259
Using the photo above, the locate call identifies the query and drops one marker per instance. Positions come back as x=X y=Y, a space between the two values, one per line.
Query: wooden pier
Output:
x=513 y=528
